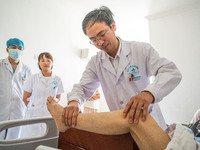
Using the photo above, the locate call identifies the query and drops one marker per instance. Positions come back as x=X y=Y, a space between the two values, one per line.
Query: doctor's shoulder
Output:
x=94 y=62
x=2 y=61
x=97 y=58
x=139 y=48
x=56 y=78
x=1 y=64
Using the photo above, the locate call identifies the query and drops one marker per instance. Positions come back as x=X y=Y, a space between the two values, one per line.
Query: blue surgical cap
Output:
x=15 y=41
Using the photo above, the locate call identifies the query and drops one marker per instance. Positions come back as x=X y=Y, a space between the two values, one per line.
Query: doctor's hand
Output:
x=70 y=114
x=137 y=104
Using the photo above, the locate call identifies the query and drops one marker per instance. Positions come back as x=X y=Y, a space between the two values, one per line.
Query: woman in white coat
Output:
x=36 y=90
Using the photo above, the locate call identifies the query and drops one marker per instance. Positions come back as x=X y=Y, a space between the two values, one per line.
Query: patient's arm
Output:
x=147 y=134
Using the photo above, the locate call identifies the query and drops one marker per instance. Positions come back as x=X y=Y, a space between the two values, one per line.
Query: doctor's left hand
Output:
x=138 y=104
x=70 y=113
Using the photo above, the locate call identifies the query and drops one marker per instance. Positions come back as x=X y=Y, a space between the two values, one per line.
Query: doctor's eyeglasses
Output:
x=100 y=36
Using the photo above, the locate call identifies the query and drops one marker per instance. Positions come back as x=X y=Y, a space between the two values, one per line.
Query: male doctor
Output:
x=13 y=74
x=123 y=69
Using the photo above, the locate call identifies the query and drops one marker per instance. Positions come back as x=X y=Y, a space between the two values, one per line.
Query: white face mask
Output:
x=15 y=53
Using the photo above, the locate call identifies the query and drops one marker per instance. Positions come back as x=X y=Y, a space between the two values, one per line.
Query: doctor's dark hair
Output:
x=103 y=14
x=47 y=55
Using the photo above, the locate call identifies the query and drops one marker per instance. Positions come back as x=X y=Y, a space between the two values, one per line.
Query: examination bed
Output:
x=72 y=139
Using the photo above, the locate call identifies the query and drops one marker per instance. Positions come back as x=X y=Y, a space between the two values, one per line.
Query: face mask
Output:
x=15 y=54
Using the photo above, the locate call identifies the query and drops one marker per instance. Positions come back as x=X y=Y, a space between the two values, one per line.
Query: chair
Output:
x=50 y=138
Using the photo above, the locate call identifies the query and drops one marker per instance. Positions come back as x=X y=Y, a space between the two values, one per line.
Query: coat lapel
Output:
x=51 y=80
x=124 y=59
x=42 y=78
x=107 y=64
x=8 y=66
x=19 y=67
x=123 y=62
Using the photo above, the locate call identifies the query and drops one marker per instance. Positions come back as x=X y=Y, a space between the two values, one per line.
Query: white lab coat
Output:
x=40 y=89
x=11 y=93
x=137 y=63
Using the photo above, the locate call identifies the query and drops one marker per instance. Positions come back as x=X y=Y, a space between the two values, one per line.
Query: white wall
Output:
x=55 y=26
x=175 y=34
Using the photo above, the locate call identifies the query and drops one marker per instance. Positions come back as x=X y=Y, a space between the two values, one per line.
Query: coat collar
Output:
x=42 y=78
x=41 y=75
x=124 y=51
x=9 y=66
x=123 y=59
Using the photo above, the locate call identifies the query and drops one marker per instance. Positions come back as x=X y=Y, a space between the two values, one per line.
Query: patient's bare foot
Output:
x=56 y=111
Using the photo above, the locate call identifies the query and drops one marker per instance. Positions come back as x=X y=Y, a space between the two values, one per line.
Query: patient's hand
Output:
x=56 y=111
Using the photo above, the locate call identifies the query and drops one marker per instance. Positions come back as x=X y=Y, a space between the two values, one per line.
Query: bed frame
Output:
x=50 y=138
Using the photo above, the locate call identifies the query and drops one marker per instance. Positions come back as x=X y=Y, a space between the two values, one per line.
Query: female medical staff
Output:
x=36 y=90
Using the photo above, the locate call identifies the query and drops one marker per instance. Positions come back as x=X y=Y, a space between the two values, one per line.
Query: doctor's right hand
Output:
x=70 y=113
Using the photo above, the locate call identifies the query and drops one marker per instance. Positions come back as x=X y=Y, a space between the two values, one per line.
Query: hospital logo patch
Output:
x=55 y=84
x=133 y=73
x=24 y=77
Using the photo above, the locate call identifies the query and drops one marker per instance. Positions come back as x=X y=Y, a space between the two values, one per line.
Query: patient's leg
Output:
x=111 y=123
x=147 y=134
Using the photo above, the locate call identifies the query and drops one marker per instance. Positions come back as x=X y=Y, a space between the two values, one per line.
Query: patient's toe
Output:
x=50 y=99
